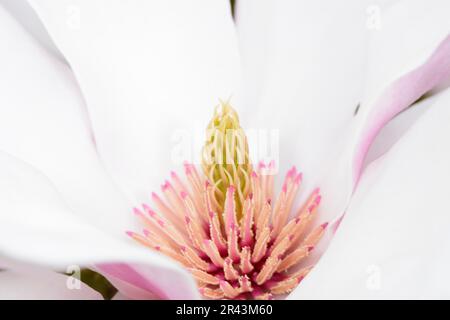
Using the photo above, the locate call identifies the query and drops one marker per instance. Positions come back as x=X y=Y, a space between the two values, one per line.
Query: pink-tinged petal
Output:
x=408 y=57
x=399 y=73
x=152 y=282
x=42 y=285
x=146 y=110
x=44 y=122
x=399 y=96
x=320 y=130
x=393 y=242
x=33 y=215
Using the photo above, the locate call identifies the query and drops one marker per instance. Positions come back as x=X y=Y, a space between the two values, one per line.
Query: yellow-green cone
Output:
x=225 y=157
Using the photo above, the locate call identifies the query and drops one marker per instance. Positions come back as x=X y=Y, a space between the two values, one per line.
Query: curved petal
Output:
x=150 y=71
x=409 y=56
x=42 y=285
x=406 y=56
x=33 y=215
x=429 y=69
x=43 y=121
x=393 y=242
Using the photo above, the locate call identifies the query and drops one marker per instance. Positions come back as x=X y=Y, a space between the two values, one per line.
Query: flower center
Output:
x=226 y=227
x=226 y=157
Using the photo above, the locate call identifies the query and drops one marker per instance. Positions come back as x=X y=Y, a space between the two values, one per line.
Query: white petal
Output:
x=428 y=72
x=402 y=84
x=22 y=11
x=408 y=57
x=42 y=285
x=304 y=66
x=37 y=227
x=321 y=135
x=43 y=121
x=304 y=69
x=393 y=242
x=148 y=70
x=119 y=296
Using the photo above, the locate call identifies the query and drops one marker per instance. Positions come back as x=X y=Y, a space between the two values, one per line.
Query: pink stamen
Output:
x=250 y=258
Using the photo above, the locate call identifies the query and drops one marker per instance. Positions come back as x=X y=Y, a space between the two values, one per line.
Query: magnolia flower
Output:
x=98 y=92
